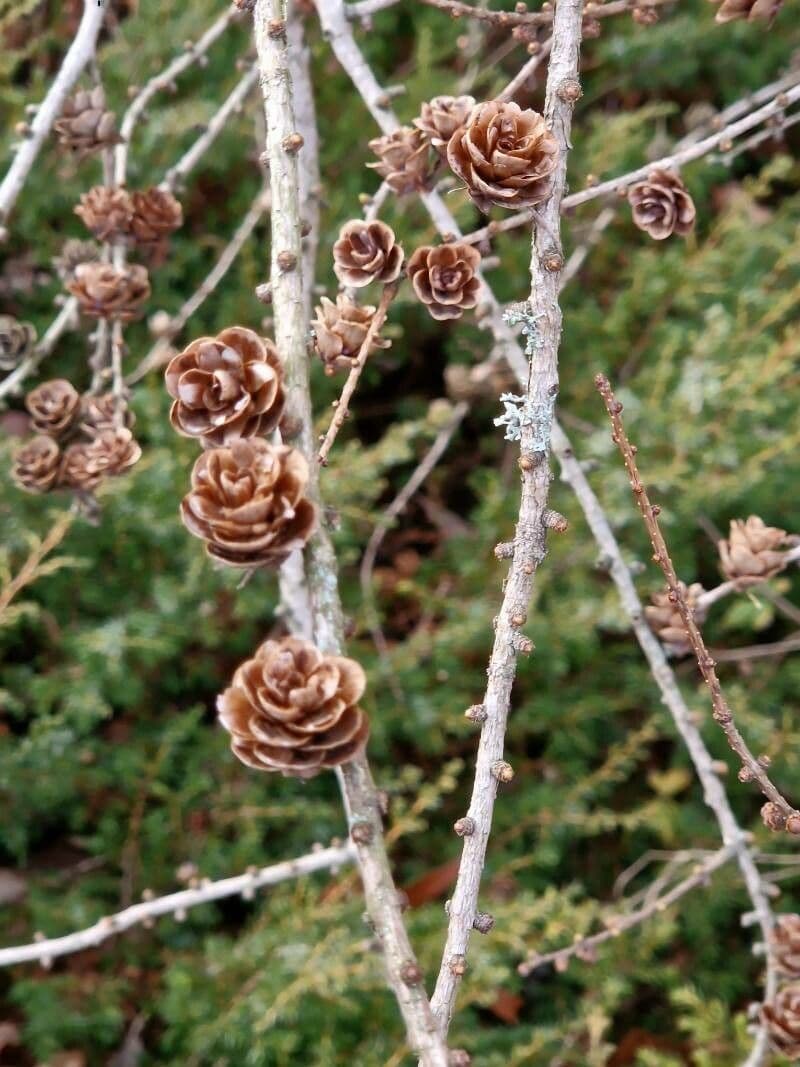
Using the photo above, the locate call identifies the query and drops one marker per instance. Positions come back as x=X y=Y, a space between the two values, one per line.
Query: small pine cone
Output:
x=54 y=406
x=591 y=27
x=505 y=155
x=16 y=341
x=772 y=817
x=662 y=205
x=248 y=503
x=750 y=555
x=441 y=117
x=106 y=212
x=665 y=620
x=111 y=451
x=781 y=1017
x=366 y=252
x=36 y=465
x=226 y=387
x=100 y=413
x=85 y=126
x=645 y=15
x=294 y=710
x=72 y=255
x=785 y=945
x=752 y=10
x=104 y=292
x=156 y=214
x=339 y=332
x=404 y=160
x=444 y=278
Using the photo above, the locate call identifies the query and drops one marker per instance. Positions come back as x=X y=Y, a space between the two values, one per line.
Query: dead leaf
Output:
x=506 y=1006
x=433 y=884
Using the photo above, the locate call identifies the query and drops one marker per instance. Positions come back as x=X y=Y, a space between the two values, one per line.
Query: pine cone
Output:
x=104 y=292
x=781 y=1017
x=226 y=387
x=751 y=10
x=505 y=155
x=292 y=709
x=54 y=406
x=665 y=620
x=339 y=331
x=16 y=341
x=156 y=213
x=106 y=212
x=444 y=278
x=85 y=126
x=110 y=452
x=72 y=255
x=367 y=252
x=441 y=117
x=785 y=945
x=662 y=205
x=404 y=160
x=750 y=555
x=37 y=464
x=247 y=502
x=99 y=413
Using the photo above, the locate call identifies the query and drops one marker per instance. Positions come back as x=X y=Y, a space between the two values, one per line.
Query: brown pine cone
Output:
x=110 y=452
x=36 y=465
x=104 y=292
x=444 y=278
x=85 y=126
x=781 y=1017
x=751 y=10
x=294 y=710
x=785 y=945
x=665 y=620
x=441 y=117
x=106 y=212
x=662 y=205
x=156 y=213
x=404 y=160
x=72 y=255
x=16 y=341
x=99 y=413
x=339 y=331
x=367 y=252
x=750 y=555
x=226 y=387
x=505 y=155
x=54 y=406
x=248 y=503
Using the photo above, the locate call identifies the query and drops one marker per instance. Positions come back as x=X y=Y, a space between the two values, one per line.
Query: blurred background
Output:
x=114 y=777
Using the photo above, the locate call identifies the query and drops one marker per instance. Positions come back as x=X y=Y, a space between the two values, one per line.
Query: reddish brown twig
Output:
x=752 y=770
x=343 y=403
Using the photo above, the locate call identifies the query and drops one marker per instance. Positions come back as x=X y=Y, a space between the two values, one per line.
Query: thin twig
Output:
x=80 y=53
x=350 y=386
x=584 y=947
x=355 y=780
x=66 y=319
x=177 y=904
x=162 y=350
x=163 y=80
x=215 y=125
x=457 y=9
x=543 y=316
x=29 y=570
x=722 y=712
x=526 y=72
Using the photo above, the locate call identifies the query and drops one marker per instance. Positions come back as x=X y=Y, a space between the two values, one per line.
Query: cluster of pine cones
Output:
x=751 y=554
x=83 y=439
x=781 y=1016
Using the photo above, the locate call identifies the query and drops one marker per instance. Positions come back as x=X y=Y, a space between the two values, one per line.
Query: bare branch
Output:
x=177 y=904
x=66 y=319
x=755 y=771
x=584 y=947
x=80 y=53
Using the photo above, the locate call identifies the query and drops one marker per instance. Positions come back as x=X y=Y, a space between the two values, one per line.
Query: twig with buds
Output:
x=350 y=386
x=245 y=885
x=80 y=54
x=752 y=768
x=584 y=947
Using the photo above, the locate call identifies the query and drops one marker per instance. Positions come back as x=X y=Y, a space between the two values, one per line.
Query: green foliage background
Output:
x=112 y=771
